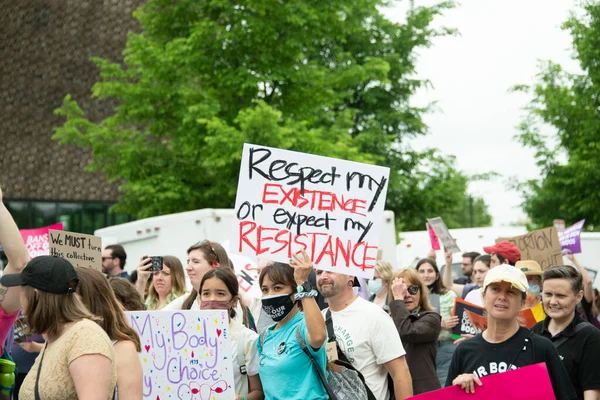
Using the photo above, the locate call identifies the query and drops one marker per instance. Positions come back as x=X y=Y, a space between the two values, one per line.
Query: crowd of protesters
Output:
x=398 y=338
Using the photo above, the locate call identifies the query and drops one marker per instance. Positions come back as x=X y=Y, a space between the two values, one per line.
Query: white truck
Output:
x=173 y=234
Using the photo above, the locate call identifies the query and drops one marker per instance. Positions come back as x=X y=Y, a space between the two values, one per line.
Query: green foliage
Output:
x=325 y=77
x=570 y=158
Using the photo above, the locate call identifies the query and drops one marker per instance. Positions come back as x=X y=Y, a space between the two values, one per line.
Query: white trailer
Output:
x=173 y=234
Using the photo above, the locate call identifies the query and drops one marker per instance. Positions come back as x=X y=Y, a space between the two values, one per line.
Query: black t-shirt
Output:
x=580 y=353
x=479 y=357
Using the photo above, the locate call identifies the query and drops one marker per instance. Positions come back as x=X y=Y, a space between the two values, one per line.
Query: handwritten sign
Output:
x=512 y=384
x=185 y=355
x=570 y=238
x=246 y=271
x=542 y=246
x=465 y=327
x=37 y=241
x=435 y=243
x=288 y=201
x=80 y=249
x=439 y=227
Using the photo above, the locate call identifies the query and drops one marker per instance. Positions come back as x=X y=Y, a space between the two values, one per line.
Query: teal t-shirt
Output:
x=285 y=370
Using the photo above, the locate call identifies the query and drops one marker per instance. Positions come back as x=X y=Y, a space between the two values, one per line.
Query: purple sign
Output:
x=570 y=238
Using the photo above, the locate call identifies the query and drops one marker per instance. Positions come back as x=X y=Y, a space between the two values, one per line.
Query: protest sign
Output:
x=80 y=249
x=435 y=243
x=247 y=275
x=185 y=355
x=465 y=327
x=37 y=240
x=512 y=384
x=288 y=201
x=441 y=230
x=541 y=245
x=570 y=238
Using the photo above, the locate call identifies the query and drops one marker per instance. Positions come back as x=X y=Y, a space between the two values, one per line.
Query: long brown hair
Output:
x=177 y=280
x=227 y=276
x=214 y=254
x=46 y=313
x=412 y=276
x=438 y=286
x=99 y=298
x=126 y=294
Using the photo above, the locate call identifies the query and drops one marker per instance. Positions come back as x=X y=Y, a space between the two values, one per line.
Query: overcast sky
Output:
x=499 y=45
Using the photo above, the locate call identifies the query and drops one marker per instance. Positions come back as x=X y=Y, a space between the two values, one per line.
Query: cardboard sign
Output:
x=80 y=249
x=542 y=246
x=288 y=201
x=570 y=238
x=185 y=355
x=441 y=230
x=512 y=384
x=465 y=327
x=37 y=241
x=435 y=243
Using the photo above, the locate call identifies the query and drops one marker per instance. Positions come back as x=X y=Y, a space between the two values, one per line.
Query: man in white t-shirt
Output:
x=367 y=336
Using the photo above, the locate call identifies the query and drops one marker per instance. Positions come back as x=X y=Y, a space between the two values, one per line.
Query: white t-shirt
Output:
x=248 y=338
x=475 y=297
x=368 y=337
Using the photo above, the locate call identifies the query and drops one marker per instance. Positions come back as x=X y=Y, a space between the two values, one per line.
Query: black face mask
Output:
x=277 y=307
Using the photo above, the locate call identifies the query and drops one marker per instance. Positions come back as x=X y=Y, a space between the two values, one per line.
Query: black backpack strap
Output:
x=578 y=328
x=329 y=326
x=304 y=348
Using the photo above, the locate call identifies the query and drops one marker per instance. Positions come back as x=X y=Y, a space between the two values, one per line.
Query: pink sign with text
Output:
x=37 y=240
x=514 y=385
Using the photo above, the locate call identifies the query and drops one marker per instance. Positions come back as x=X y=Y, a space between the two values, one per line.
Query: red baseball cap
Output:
x=506 y=249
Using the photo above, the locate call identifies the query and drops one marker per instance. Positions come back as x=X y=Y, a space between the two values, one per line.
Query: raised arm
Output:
x=588 y=291
x=315 y=324
x=17 y=255
x=447 y=276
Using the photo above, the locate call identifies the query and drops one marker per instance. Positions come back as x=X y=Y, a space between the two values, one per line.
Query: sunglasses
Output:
x=413 y=289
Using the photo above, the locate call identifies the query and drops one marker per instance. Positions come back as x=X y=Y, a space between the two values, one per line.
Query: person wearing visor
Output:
x=78 y=360
x=505 y=345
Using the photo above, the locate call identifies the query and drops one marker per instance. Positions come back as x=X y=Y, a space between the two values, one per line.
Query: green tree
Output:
x=203 y=77
x=569 y=158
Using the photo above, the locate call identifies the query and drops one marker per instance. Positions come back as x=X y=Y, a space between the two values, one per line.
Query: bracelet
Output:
x=299 y=296
x=244 y=398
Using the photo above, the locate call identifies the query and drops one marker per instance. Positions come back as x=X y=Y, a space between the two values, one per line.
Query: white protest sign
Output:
x=439 y=227
x=185 y=354
x=289 y=201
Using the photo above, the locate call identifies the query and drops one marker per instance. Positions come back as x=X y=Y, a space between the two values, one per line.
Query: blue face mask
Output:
x=375 y=286
x=534 y=289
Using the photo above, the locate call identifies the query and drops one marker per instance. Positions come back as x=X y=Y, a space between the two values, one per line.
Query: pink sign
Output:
x=435 y=243
x=514 y=385
x=37 y=240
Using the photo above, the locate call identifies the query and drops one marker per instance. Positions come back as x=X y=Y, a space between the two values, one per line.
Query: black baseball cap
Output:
x=49 y=274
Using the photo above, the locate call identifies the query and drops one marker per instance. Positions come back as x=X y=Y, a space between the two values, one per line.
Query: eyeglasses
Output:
x=107 y=258
x=413 y=289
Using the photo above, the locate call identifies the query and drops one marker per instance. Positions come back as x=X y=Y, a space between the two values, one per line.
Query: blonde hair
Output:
x=385 y=270
x=177 y=281
x=412 y=276
x=47 y=312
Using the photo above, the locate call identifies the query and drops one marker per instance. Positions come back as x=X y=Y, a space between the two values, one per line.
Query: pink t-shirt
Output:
x=6 y=323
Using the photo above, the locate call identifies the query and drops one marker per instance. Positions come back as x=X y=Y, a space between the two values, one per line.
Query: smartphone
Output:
x=157 y=263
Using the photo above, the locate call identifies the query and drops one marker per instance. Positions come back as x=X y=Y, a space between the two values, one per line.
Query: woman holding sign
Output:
x=95 y=292
x=219 y=290
x=292 y=349
x=419 y=327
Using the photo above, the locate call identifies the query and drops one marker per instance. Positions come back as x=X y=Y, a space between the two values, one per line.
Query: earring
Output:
x=350 y=283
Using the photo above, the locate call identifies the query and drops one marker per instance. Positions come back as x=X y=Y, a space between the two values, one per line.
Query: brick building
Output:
x=45 y=53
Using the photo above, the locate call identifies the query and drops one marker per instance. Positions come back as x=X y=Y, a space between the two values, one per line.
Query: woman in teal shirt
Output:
x=289 y=299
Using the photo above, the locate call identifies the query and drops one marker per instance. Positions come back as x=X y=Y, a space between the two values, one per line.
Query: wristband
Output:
x=299 y=296
x=244 y=398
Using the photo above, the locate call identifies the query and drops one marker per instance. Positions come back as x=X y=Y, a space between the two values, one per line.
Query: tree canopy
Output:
x=333 y=78
x=569 y=158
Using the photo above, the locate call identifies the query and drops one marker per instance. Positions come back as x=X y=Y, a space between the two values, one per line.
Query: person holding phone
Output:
x=168 y=280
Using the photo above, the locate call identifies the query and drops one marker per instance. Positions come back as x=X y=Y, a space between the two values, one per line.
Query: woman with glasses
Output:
x=419 y=327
